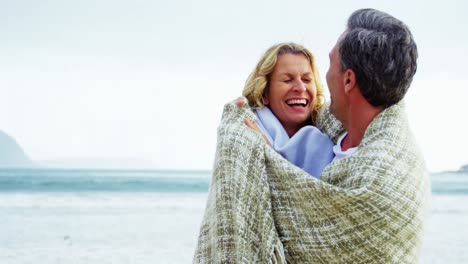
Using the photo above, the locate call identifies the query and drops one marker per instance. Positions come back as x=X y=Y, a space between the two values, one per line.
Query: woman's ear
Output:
x=266 y=98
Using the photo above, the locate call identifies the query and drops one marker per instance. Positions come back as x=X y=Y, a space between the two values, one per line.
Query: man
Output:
x=368 y=205
x=371 y=68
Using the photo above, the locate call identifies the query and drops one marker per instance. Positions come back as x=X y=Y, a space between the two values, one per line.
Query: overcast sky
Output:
x=147 y=79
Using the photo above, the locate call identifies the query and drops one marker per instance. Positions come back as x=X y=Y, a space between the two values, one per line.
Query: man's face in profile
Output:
x=335 y=81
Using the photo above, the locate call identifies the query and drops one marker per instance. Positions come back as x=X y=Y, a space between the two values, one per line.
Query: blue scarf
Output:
x=309 y=149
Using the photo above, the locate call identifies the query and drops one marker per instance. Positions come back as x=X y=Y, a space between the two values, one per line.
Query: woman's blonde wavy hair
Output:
x=258 y=80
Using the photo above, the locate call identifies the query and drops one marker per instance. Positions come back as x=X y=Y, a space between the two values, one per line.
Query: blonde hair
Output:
x=258 y=80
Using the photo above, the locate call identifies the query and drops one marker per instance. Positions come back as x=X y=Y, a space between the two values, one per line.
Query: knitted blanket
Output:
x=366 y=208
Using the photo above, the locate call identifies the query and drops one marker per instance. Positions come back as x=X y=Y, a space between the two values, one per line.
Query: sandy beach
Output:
x=157 y=228
x=87 y=216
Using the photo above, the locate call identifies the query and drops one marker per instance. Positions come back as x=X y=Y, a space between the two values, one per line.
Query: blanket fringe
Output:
x=277 y=254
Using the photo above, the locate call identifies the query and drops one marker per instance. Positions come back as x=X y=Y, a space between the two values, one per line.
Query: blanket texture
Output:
x=366 y=208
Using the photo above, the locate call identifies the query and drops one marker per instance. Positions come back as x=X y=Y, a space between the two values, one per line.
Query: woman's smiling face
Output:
x=291 y=91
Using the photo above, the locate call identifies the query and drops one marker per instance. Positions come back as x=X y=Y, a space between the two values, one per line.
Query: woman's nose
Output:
x=299 y=86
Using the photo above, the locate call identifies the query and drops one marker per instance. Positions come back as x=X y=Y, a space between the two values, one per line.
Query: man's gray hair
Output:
x=380 y=49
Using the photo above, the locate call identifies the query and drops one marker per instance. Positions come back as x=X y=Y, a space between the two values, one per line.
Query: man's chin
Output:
x=330 y=108
x=332 y=111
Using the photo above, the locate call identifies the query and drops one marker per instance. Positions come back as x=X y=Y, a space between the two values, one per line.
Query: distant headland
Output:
x=11 y=154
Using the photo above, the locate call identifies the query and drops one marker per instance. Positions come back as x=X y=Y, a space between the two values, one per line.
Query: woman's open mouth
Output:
x=297 y=102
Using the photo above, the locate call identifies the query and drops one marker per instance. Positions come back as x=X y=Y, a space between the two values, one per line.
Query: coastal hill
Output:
x=11 y=154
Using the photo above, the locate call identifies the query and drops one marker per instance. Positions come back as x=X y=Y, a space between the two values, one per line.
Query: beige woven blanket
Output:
x=366 y=208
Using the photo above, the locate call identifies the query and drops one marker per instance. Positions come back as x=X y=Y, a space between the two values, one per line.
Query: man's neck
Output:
x=359 y=117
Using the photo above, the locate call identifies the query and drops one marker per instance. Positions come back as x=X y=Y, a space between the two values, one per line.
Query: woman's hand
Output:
x=251 y=124
x=240 y=102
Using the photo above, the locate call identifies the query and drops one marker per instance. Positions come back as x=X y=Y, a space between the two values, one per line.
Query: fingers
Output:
x=240 y=101
x=254 y=126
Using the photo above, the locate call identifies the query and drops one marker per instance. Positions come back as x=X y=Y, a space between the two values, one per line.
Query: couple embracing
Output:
x=299 y=180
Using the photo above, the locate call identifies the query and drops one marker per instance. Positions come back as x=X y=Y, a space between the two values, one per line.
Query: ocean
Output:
x=153 y=216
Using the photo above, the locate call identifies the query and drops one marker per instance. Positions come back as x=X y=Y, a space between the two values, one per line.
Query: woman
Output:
x=286 y=93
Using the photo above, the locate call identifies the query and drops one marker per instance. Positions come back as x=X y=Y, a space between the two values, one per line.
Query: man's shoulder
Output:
x=389 y=135
x=388 y=149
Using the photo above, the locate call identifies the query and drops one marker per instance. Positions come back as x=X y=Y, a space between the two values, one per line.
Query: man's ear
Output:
x=349 y=80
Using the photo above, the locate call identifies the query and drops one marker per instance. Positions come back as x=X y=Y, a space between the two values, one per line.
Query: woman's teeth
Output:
x=302 y=102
